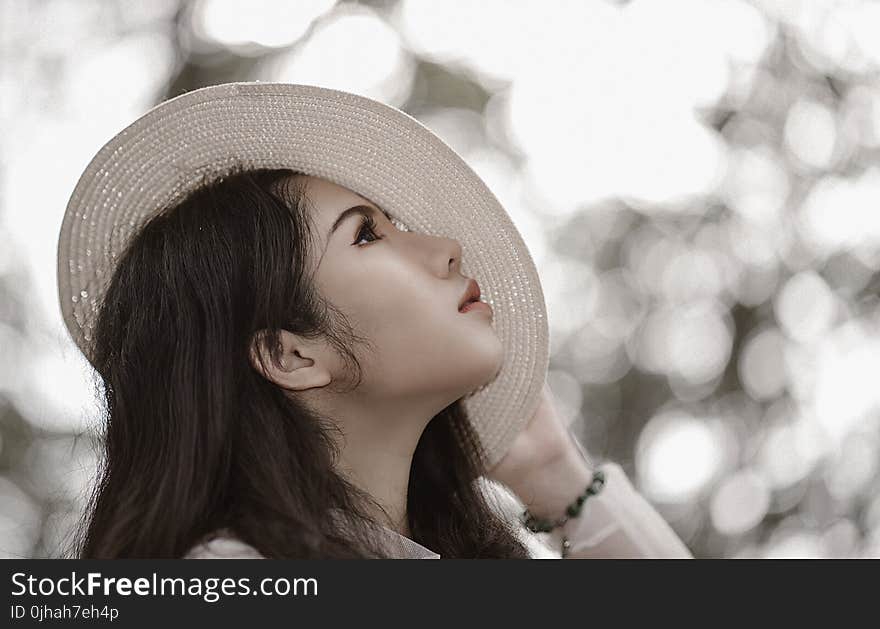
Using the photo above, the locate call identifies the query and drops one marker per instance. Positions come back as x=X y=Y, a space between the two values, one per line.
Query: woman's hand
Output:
x=544 y=466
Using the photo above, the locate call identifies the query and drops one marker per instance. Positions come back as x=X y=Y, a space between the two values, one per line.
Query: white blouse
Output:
x=616 y=523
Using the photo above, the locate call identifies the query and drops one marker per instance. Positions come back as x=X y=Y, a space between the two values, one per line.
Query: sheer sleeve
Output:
x=223 y=546
x=619 y=523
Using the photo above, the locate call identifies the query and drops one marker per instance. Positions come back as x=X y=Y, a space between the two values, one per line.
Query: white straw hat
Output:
x=375 y=150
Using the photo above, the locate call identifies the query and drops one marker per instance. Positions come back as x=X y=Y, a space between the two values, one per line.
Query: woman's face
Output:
x=401 y=290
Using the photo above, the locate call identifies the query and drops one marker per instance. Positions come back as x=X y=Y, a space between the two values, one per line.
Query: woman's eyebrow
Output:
x=363 y=210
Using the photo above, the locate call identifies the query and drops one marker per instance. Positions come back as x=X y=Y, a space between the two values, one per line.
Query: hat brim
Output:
x=376 y=150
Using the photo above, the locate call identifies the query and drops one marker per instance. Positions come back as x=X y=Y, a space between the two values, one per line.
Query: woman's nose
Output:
x=441 y=254
x=453 y=256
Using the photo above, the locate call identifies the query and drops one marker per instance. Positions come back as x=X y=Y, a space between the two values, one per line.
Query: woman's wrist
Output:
x=549 y=490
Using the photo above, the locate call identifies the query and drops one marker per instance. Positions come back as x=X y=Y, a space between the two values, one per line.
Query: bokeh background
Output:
x=697 y=181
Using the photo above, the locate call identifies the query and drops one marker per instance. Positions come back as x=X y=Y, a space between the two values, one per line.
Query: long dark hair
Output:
x=196 y=439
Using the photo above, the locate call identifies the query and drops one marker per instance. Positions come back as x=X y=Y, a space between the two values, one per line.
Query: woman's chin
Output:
x=490 y=360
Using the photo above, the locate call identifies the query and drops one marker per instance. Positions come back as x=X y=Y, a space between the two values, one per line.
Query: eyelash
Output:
x=367 y=223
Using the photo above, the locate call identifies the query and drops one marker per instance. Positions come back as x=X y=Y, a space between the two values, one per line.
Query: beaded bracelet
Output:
x=543 y=525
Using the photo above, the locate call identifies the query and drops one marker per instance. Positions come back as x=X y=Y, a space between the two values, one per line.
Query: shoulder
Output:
x=222 y=544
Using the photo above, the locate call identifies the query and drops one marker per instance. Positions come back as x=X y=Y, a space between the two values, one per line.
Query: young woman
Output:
x=291 y=370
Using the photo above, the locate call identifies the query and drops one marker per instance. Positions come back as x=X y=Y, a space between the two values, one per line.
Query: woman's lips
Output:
x=479 y=306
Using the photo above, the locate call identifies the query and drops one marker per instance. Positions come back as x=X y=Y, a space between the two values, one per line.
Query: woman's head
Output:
x=400 y=290
x=246 y=354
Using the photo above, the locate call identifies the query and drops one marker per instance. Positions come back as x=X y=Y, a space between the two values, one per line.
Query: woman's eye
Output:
x=368 y=226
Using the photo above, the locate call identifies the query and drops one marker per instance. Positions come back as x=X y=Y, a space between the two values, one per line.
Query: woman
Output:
x=290 y=371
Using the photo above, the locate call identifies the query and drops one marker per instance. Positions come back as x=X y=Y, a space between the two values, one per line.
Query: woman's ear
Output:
x=296 y=364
